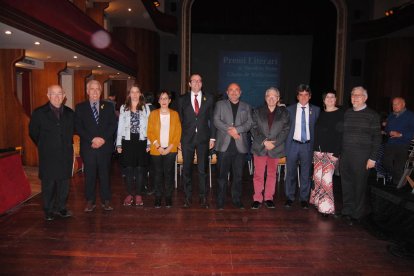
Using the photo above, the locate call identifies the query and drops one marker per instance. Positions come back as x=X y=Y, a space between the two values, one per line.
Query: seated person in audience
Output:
x=400 y=131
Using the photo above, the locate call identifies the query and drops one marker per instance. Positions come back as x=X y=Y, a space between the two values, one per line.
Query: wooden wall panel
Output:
x=389 y=72
x=81 y=4
x=42 y=79
x=11 y=111
x=97 y=12
x=119 y=88
x=101 y=78
x=145 y=43
x=79 y=85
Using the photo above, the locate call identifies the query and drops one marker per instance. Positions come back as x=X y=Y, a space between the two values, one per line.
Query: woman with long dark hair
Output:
x=132 y=143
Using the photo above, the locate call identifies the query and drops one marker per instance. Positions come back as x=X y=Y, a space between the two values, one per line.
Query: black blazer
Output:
x=87 y=128
x=54 y=140
x=203 y=122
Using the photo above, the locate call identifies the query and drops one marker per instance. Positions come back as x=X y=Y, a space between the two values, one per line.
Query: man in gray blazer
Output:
x=233 y=120
x=270 y=128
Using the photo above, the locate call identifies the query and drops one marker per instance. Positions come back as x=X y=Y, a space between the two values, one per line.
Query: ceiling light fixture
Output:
x=99 y=66
x=75 y=57
x=8 y=32
x=129 y=9
x=37 y=43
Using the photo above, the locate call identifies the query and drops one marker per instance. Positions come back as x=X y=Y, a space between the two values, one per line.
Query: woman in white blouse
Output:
x=164 y=132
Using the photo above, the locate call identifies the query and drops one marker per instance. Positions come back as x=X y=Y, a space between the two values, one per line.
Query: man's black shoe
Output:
x=157 y=203
x=203 y=203
x=49 y=217
x=238 y=204
x=304 y=204
x=64 y=213
x=349 y=220
x=269 y=204
x=401 y=251
x=187 y=203
x=168 y=202
x=255 y=205
x=288 y=203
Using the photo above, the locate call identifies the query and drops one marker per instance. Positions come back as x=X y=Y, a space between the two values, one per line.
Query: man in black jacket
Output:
x=198 y=132
x=51 y=128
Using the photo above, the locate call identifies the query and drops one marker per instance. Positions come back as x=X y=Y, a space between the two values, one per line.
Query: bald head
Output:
x=398 y=104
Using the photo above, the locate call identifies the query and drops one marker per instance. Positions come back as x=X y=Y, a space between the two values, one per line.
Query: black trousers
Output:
x=97 y=163
x=354 y=180
x=55 y=194
x=163 y=168
x=135 y=179
x=226 y=162
x=202 y=161
x=394 y=160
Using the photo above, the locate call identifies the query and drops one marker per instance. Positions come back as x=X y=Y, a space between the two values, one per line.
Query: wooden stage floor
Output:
x=176 y=241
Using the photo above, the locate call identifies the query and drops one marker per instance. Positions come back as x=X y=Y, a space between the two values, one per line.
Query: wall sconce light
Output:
x=156 y=3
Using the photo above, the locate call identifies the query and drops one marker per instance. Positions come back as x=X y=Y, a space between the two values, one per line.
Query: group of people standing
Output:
x=307 y=136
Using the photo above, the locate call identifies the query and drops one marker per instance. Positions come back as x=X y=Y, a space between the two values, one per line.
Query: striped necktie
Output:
x=95 y=112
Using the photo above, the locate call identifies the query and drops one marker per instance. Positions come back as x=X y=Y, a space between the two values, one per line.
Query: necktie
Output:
x=303 y=136
x=196 y=106
x=95 y=112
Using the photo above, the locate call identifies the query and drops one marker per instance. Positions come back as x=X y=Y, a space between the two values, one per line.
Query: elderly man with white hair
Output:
x=360 y=144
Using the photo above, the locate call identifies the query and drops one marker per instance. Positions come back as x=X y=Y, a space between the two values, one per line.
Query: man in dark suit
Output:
x=51 y=129
x=198 y=132
x=299 y=146
x=96 y=124
x=233 y=120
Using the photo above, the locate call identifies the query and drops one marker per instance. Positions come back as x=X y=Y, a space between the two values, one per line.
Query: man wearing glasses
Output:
x=198 y=135
x=361 y=140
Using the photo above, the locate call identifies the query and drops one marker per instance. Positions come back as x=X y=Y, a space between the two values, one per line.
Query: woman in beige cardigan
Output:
x=164 y=133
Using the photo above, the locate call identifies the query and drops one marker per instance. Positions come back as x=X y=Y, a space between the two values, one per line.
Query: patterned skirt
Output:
x=322 y=193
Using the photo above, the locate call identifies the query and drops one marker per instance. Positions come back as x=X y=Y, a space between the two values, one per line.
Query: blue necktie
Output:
x=303 y=126
x=95 y=112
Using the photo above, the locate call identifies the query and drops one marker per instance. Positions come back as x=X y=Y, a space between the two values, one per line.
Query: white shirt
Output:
x=198 y=99
x=165 y=130
x=298 y=123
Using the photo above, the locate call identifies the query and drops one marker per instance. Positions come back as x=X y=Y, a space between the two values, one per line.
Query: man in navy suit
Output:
x=95 y=122
x=198 y=133
x=299 y=146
